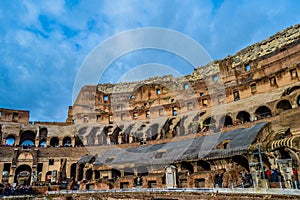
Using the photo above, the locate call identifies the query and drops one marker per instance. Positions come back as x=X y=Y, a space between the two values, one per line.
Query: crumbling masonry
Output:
x=200 y=130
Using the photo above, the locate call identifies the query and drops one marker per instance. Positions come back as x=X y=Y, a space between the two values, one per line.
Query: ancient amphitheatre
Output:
x=164 y=133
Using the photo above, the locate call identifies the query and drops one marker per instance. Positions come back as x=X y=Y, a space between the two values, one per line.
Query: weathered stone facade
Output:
x=203 y=125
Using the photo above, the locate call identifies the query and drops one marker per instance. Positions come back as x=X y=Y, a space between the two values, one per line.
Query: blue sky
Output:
x=43 y=43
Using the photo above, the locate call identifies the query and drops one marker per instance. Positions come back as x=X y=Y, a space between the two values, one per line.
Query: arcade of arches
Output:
x=160 y=112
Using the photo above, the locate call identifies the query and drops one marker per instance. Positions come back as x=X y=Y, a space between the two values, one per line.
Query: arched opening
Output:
x=54 y=142
x=262 y=112
x=27 y=138
x=187 y=166
x=152 y=132
x=142 y=171
x=6 y=173
x=80 y=174
x=102 y=140
x=242 y=161
x=10 y=140
x=203 y=165
x=209 y=123
x=298 y=100
x=115 y=173
x=243 y=116
x=67 y=142
x=23 y=175
x=43 y=137
x=290 y=90
x=128 y=171
x=48 y=176
x=283 y=105
x=97 y=174
x=226 y=121
x=89 y=174
x=91 y=137
x=114 y=135
x=43 y=143
x=73 y=171
x=78 y=141
x=197 y=117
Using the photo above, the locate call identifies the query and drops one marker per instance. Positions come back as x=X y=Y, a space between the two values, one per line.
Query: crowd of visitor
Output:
x=9 y=190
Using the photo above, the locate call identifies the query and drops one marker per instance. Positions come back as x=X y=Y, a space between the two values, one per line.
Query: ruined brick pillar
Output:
x=73 y=142
x=130 y=138
x=1 y=170
x=77 y=172
x=37 y=142
x=195 y=167
x=12 y=172
x=108 y=140
x=120 y=138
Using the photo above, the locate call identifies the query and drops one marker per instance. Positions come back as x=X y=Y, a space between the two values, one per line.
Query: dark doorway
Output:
x=243 y=116
x=23 y=175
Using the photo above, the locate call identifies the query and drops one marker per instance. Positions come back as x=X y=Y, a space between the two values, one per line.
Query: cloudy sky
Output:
x=44 y=43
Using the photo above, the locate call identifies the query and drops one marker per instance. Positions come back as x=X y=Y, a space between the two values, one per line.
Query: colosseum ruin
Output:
x=231 y=123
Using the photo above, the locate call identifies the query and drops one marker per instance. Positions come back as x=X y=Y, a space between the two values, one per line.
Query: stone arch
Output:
x=80 y=173
x=25 y=156
x=97 y=174
x=10 y=140
x=226 y=121
x=27 y=138
x=115 y=134
x=142 y=171
x=78 y=141
x=203 y=165
x=73 y=171
x=43 y=134
x=283 y=105
x=67 y=141
x=152 y=132
x=54 y=142
x=243 y=116
x=115 y=173
x=242 y=161
x=262 y=112
x=91 y=137
x=23 y=175
x=187 y=166
x=209 y=123
x=128 y=171
x=289 y=91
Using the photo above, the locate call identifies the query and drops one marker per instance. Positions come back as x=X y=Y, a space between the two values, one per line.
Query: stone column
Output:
x=77 y=172
x=37 y=142
x=93 y=175
x=12 y=175
x=1 y=170
x=108 y=139
x=120 y=138
x=60 y=142
x=195 y=167
x=130 y=138
x=122 y=172
x=48 y=141
x=73 y=142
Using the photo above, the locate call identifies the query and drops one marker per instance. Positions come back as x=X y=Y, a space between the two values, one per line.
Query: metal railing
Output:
x=278 y=191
